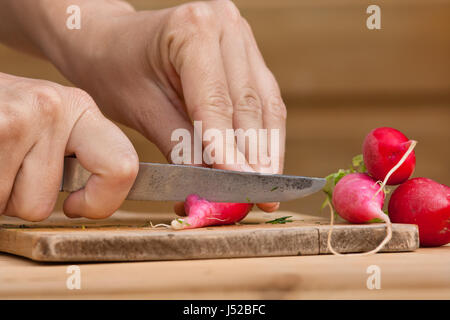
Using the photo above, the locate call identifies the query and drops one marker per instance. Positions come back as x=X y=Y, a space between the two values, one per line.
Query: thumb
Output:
x=104 y=150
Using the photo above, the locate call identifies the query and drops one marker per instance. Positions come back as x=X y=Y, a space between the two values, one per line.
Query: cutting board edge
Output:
x=49 y=248
x=405 y=238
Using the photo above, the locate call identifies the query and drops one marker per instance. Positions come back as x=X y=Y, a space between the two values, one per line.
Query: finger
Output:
x=269 y=206
x=37 y=183
x=274 y=110
x=205 y=90
x=25 y=191
x=167 y=126
x=247 y=107
x=104 y=150
x=13 y=148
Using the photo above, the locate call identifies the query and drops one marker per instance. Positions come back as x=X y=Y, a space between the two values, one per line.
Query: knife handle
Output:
x=74 y=175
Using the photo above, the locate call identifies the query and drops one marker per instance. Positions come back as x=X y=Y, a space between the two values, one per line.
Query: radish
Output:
x=383 y=148
x=426 y=203
x=388 y=156
x=202 y=213
x=356 y=199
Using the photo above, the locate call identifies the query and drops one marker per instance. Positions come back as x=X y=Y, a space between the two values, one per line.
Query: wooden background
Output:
x=339 y=80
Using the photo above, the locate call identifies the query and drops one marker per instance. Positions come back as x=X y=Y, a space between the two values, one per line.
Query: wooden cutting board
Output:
x=128 y=236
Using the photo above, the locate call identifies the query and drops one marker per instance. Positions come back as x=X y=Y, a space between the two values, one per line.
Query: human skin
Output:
x=40 y=123
x=160 y=70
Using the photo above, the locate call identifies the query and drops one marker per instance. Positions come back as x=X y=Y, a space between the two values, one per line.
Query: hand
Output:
x=40 y=123
x=157 y=71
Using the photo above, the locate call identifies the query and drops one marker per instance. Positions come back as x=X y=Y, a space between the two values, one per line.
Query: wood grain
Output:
x=423 y=274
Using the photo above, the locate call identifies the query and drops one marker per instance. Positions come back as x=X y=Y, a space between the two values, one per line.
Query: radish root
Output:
x=403 y=159
x=377 y=249
x=159 y=225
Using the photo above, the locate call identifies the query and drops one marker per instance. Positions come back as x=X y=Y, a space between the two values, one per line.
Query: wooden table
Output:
x=423 y=274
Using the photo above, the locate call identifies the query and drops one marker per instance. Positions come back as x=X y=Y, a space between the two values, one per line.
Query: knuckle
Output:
x=81 y=98
x=249 y=102
x=246 y=24
x=217 y=102
x=196 y=13
x=13 y=124
x=48 y=101
x=276 y=107
x=246 y=27
x=9 y=129
x=231 y=12
x=125 y=170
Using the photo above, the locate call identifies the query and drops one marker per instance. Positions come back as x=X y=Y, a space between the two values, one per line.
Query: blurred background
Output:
x=339 y=80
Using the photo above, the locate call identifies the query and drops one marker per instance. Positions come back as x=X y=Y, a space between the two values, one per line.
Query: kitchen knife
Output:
x=171 y=182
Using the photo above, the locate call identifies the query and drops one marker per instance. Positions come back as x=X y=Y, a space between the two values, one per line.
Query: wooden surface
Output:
x=423 y=274
x=129 y=237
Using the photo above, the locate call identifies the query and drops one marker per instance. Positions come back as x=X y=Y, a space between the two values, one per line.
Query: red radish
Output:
x=356 y=199
x=383 y=148
x=353 y=198
x=388 y=155
x=202 y=213
x=426 y=203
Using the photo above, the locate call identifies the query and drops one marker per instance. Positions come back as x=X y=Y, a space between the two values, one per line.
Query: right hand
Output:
x=40 y=123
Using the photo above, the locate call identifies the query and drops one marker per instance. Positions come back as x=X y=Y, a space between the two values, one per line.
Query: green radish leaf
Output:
x=324 y=204
x=357 y=160
x=333 y=179
x=281 y=220
x=358 y=163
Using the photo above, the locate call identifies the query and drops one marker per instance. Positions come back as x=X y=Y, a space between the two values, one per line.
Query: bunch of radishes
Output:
x=388 y=158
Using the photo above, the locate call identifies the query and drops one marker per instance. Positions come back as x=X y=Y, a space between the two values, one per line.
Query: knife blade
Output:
x=171 y=182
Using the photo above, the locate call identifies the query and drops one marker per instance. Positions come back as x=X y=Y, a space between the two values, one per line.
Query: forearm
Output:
x=12 y=32
x=39 y=26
